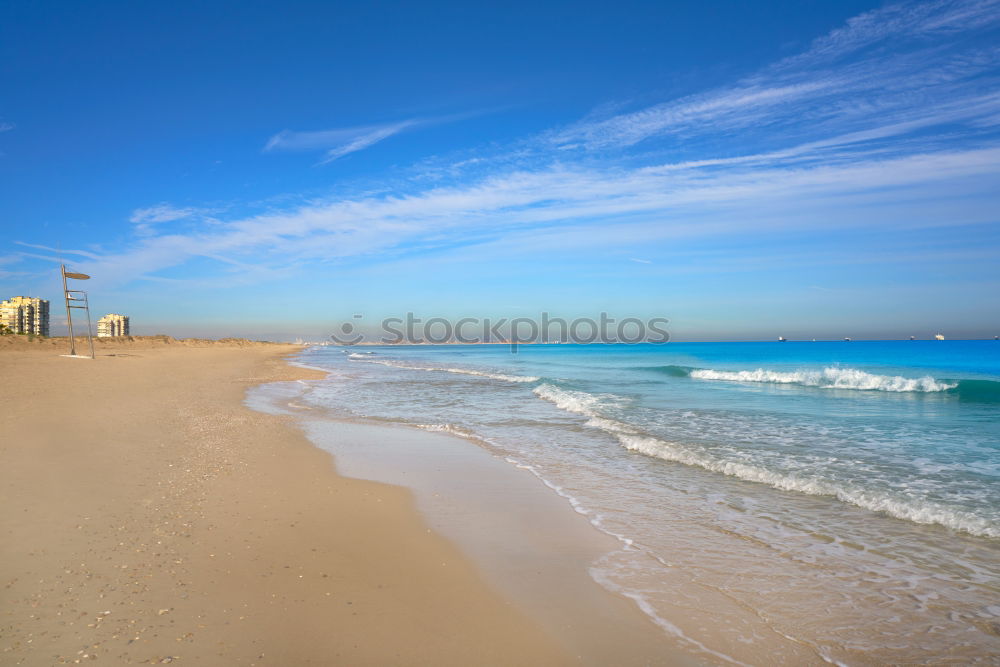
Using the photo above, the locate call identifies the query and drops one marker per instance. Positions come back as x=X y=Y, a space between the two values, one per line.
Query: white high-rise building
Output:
x=25 y=315
x=112 y=324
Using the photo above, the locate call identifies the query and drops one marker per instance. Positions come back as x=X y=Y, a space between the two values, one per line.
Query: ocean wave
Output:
x=460 y=371
x=635 y=440
x=830 y=378
x=917 y=511
x=561 y=492
x=979 y=391
x=448 y=428
x=579 y=402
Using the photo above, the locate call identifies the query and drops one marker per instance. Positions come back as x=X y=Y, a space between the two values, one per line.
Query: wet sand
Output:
x=148 y=517
x=525 y=539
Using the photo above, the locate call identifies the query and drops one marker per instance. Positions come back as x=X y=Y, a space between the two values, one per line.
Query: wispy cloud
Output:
x=9 y=259
x=903 y=63
x=146 y=219
x=61 y=251
x=559 y=208
x=339 y=142
x=891 y=120
x=159 y=213
x=922 y=21
x=6 y=127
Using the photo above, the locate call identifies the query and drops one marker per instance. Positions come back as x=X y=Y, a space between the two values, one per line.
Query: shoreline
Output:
x=150 y=517
x=698 y=624
x=745 y=571
x=525 y=538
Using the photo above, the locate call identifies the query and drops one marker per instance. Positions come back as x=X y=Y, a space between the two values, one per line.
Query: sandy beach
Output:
x=150 y=517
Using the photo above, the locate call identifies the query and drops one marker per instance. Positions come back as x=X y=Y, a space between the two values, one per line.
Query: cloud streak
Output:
x=59 y=251
x=339 y=142
x=905 y=62
x=626 y=208
x=890 y=121
x=146 y=219
x=159 y=213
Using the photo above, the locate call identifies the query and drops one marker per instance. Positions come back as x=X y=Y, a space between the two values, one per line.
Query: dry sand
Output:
x=146 y=516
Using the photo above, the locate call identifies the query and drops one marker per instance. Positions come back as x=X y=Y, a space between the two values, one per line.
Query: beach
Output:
x=150 y=517
x=766 y=503
x=232 y=502
x=656 y=334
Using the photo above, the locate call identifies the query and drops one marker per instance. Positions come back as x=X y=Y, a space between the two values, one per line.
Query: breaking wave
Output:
x=910 y=509
x=828 y=378
x=579 y=402
x=448 y=428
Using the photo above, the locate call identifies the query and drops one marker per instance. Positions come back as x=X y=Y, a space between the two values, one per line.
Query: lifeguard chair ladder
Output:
x=72 y=295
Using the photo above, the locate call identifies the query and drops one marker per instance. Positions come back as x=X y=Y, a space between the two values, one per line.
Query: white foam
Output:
x=595 y=519
x=314 y=368
x=579 y=402
x=829 y=378
x=918 y=511
x=598 y=575
x=915 y=510
x=447 y=428
x=461 y=371
x=577 y=506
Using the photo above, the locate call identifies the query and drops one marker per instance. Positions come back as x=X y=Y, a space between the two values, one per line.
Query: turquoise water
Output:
x=849 y=493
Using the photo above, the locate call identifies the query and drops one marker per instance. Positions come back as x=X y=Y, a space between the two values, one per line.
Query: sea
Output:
x=844 y=496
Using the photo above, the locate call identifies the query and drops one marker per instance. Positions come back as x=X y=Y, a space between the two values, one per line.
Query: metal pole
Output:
x=90 y=333
x=69 y=315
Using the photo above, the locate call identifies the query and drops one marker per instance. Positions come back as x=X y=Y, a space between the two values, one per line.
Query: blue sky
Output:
x=808 y=169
